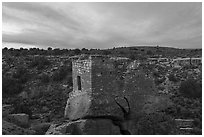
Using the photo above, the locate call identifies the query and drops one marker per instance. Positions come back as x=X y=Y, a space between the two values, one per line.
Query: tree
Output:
x=40 y=62
x=84 y=49
x=132 y=57
x=77 y=51
x=5 y=48
x=173 y=78
x=57 y=51
x=106 y=52
x=10 y=86
x=49 y=48
x=191 y=88
x=149 y=52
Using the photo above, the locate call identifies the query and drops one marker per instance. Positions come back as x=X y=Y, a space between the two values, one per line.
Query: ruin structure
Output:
x=97 y=81
x=103 y=89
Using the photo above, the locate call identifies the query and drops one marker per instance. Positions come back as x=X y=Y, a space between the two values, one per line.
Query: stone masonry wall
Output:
x=79 y=100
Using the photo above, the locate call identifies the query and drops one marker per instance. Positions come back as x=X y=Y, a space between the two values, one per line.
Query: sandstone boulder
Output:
x=19 y=119
x=85 y=104
x=41 y=128
x=12 y=129
x=6 y=110
x=85 y=127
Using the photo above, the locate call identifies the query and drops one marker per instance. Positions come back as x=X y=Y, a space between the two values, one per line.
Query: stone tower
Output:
x=108 y=97
x=96 y=83
x=100 y=84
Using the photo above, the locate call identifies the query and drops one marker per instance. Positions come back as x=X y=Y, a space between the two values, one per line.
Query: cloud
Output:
x=102 y=25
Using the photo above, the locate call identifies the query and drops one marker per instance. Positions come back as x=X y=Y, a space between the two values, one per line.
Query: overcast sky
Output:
x=101 y=25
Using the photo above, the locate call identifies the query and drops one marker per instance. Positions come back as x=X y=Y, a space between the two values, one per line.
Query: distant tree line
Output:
x=130 y=52
x=51 y=51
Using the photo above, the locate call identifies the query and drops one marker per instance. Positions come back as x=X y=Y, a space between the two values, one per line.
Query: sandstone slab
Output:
x=85 y=127
x=19 y=119
x=12 y=129
x=6 y=110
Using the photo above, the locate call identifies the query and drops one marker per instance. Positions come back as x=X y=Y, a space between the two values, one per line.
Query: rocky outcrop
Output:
x=40 y=128
x=85 y=127
x=19 y=119
x=6 y=110
x=12 y=129
x=85 y=104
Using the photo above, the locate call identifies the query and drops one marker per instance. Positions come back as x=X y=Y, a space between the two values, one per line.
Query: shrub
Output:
x=155 y=124
x=189 y=67
x=10 y=86
x=132 y=56
x=173 y=78
x=40 y=62
x=149 y=52
x=161 y=88
x=70 y=82
x=172 y=110
x=159 y=80
x=106 y=52
x=196 y=131
x=21 y=74
x=191 y=88
x=156 y=74
x=61 y=73
x=44 y=78
x=185 y=113
x=197 y=122
x=22 y=106
x=77 y=51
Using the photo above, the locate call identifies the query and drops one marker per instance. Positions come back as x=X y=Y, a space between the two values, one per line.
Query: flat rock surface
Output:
x=19 y=119
x=12 y=129
x=85 y=127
